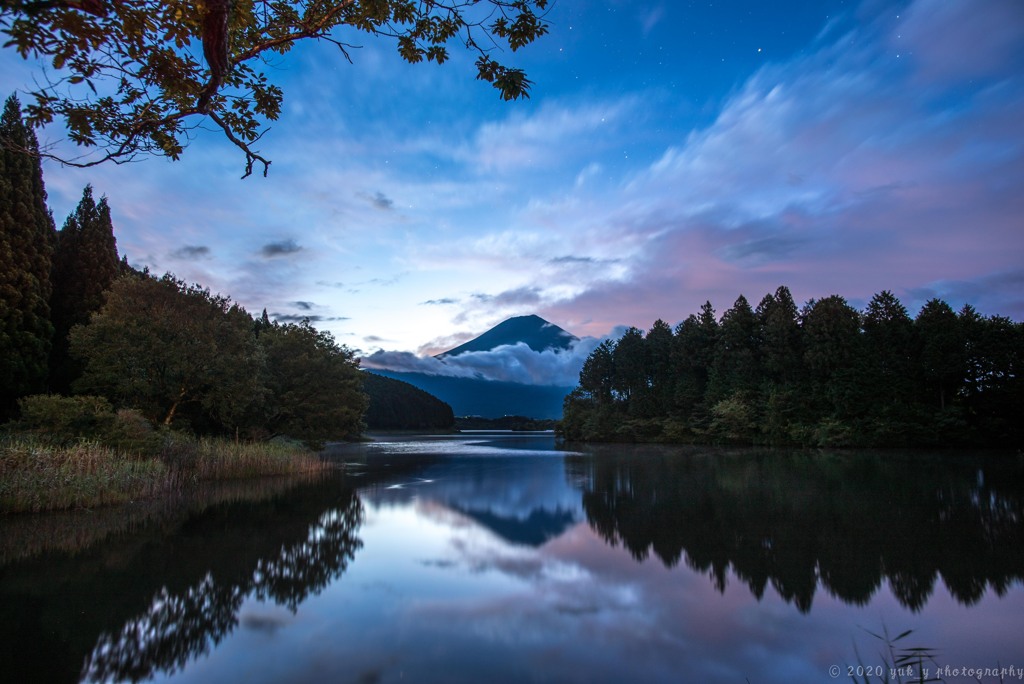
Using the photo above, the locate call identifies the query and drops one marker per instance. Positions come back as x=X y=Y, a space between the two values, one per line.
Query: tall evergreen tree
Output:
x=26 y=250
x=630 y=380
x=692 y=354
x=889 y=368
x=659 y=368
x=781 y=358
x=779 y=321
x=734 y=369
x=85 y=265
x=598 y=374
x=832 y=355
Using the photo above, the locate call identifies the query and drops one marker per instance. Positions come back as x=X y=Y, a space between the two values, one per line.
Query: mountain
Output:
x=397 y=405
x=538 y=334
x=487 y=398
x=480 y=396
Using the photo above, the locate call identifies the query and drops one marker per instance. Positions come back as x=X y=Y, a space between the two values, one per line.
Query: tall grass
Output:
x=218 y=459
x=35 y=476
x=39 y=476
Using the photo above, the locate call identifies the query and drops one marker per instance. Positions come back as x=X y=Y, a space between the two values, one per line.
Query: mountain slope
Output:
x=534 y=331
x=487 y=398
x=397 y=405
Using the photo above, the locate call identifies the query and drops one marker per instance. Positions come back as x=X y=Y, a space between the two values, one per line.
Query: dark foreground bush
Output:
x=63 y=421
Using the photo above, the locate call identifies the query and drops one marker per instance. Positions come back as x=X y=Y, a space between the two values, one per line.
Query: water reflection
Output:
x=512 y=485
x=180 y=626
x=155 y=601
x=462 y=560
x=794 y=521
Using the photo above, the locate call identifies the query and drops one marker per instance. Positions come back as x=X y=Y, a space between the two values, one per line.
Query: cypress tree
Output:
x=85 y=265
x=26 y=249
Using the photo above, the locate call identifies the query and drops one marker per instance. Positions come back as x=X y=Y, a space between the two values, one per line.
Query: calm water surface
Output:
x=491 y=558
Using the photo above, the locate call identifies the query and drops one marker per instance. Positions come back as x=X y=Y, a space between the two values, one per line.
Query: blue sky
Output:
x=671 y=153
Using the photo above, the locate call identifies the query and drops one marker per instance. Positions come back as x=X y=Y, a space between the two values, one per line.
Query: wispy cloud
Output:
x=851 y=169
x=312 y=318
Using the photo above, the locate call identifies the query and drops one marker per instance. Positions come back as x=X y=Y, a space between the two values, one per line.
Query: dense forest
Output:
x=823 y=375
x=397 y=405
x=77 y=320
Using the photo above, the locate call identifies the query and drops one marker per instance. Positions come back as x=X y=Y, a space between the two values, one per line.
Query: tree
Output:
x=887 y=336
x=832 y=353
x=314 y=389
x=941 y=345
x=629 y=380
x=734 y=368
x=778 y=319
x=781 y=351
x=167 y=348
x=598 y=373
x=26 y=249
x=134 y=78
x=658 y=359
x=993 y=381
x=85 y=265
x=692 y=355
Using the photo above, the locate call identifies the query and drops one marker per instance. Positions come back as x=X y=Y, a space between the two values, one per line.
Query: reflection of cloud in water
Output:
x=264 y=622
x=524 y=498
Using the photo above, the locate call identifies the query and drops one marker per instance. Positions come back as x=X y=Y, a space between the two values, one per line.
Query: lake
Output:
x=503 y=558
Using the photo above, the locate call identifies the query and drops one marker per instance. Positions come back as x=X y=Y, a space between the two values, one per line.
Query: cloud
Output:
x=381 y=202
x=517 y=297
x=853 y=168
x=952 y=41
x=305 y=306
x=552 y=136
x=298 y=318
x=191 y=252
x=440 y=302
x=509 y=363
x=280 y=248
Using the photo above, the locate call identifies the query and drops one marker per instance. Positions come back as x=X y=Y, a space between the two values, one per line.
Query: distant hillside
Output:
x=534 y=331
x=488 y=398
x=398 y=405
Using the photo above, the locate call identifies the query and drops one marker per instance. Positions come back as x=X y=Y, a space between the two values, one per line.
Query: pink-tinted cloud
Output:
x=850 y=170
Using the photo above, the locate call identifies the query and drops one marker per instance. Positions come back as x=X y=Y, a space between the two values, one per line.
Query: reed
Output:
x=39 y=476
x=35 y=476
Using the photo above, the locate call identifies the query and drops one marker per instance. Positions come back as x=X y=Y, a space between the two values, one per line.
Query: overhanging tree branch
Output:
x=129 y=73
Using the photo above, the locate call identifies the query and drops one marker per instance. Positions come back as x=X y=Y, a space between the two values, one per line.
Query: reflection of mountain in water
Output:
x=538 y=527
x=524 y=500
x=845 y=523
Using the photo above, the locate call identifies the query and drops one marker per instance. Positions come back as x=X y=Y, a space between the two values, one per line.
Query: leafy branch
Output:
x=131 y=78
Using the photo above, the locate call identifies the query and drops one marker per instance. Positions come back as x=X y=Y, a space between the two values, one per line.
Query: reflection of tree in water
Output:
x=179 y=626
x=800 y=520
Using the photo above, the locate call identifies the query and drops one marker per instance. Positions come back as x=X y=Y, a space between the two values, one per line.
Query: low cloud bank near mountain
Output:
x=507 y=363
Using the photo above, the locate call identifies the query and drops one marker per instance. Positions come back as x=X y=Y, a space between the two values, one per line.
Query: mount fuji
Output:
x=518 y=367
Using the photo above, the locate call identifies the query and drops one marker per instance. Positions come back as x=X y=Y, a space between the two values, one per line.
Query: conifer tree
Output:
x=734 y=366
x=85 y=265
x=26 y=250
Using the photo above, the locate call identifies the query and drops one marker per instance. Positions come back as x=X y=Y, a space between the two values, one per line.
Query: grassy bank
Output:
x=39 y=476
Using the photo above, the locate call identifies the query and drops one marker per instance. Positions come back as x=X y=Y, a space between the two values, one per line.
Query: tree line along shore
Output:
x=824 y=375
x=116 y=384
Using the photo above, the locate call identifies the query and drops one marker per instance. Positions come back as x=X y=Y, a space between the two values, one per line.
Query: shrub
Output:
x=61 y=420
x=64 y=421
